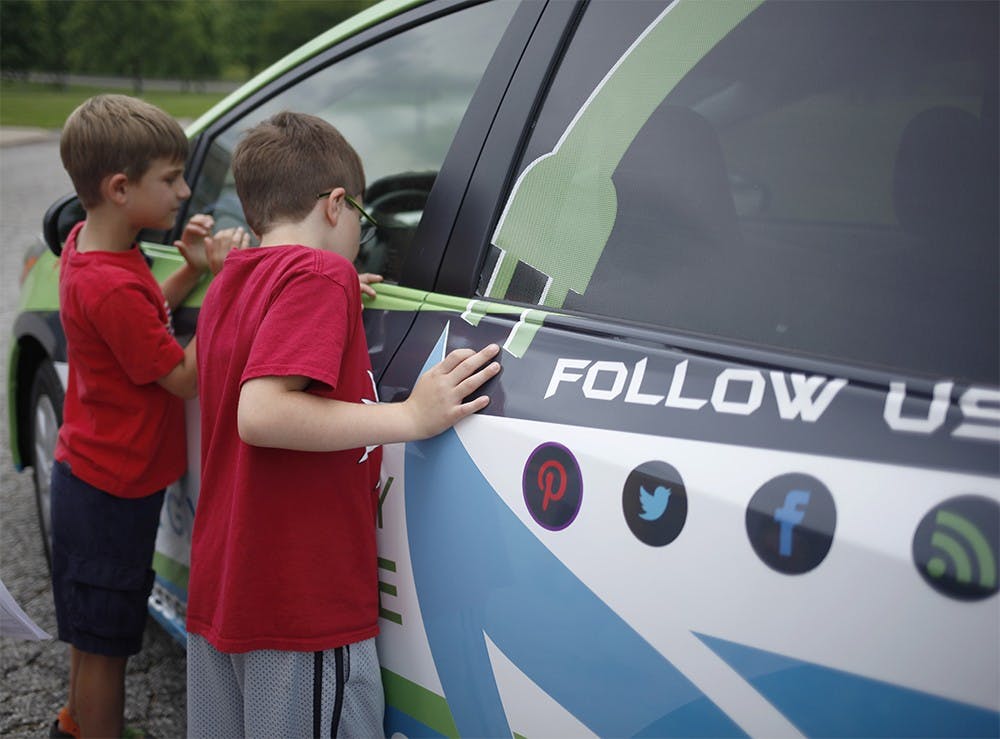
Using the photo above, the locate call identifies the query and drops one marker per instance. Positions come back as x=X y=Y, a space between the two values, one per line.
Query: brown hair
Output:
x=108 y=134
x=283 y=163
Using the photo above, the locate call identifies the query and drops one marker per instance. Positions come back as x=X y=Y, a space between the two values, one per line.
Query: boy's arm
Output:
x=202 y=253
x=276 y=412
x=182 y=380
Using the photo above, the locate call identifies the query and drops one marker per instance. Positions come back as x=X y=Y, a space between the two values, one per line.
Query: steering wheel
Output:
x=387 y=199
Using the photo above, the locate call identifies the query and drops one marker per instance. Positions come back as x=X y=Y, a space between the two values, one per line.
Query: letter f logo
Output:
x=788 y=516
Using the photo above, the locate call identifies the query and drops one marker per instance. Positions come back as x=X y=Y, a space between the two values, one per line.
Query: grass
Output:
x=45 y=106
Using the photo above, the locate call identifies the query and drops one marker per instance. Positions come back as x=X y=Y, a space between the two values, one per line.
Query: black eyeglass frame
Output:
x=367 y=229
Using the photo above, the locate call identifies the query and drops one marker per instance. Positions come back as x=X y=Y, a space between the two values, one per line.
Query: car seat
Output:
x=945 y=199
x=675 y=217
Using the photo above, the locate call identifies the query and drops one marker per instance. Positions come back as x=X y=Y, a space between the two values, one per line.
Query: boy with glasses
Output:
x=283 y=592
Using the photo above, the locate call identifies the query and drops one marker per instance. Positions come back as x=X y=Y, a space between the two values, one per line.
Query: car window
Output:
x=399 y=103
x=818 y=177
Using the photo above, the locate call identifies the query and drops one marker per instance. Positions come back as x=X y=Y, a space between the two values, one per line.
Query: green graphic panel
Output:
x=563 y=207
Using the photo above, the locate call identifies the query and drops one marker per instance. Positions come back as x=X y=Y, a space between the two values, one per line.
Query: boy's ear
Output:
x=333 y=204
x=114 y=187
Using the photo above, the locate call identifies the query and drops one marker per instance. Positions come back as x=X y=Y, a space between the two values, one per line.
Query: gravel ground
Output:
x=33 y=684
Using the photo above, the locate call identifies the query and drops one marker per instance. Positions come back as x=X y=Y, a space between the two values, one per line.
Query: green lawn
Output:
x=30 y=104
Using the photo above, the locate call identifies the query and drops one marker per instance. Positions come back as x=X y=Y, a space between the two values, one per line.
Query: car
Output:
x=740 y=473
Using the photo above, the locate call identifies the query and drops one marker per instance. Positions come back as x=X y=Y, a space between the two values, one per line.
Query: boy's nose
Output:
x=184 y=191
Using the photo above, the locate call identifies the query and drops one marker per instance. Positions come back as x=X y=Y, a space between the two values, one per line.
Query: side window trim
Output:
x=495 y=168
x=450 y=187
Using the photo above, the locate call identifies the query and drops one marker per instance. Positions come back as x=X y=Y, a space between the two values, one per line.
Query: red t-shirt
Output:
x=121 y=431
x=283 y=553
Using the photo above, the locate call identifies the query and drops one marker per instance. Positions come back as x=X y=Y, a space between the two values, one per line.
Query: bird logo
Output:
x=653 y=504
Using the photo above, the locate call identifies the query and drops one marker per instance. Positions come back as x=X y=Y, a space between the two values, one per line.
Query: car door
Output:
x=739 y=474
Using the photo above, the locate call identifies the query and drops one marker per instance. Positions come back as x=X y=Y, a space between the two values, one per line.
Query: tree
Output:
x=288 y=25
x=121 y=37
x=19 y=41
x=53 y=47
x=259 y=32
x=194 y=29
x=239 y=35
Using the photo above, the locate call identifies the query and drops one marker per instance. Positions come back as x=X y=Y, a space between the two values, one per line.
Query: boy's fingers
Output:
x=202 y=220
x=473 y=406
x=476 y=380
x=454 y=358
x=474 y=362
x=467 y=361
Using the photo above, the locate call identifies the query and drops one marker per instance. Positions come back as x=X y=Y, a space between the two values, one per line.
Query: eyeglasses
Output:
x=368 y=224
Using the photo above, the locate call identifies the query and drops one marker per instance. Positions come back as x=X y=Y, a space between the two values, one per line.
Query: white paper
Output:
x=14 y=623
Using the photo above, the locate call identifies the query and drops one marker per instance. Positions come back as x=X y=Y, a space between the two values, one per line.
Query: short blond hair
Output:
x=284 y=162
x=108 y=134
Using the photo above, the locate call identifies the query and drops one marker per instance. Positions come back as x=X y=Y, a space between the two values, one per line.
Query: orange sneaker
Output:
x=65 y=727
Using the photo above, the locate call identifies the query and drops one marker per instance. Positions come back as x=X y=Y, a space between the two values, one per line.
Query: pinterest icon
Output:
x=552 y=486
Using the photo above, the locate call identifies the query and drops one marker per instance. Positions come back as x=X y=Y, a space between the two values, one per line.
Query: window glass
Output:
x=817 y=177
x=399 y=103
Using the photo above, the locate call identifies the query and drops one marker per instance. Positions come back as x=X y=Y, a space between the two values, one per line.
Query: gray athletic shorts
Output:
x=272 y=694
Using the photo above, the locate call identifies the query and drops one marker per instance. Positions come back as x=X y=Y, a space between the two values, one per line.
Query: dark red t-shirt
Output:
x=122 y=432
x=283 y=552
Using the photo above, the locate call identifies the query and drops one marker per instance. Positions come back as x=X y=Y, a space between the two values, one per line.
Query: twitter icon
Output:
x=654 y=503
x=653 y=506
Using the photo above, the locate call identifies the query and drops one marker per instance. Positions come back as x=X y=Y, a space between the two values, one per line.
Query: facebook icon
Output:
x=788 y=516
x=775 y=521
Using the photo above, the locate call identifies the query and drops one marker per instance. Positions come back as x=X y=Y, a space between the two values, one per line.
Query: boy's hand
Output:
x=224 y=241
x=436 y=401
x=192 y=241
x=367 y=279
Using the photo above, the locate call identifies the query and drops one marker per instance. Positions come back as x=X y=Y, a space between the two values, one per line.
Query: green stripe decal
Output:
x=416 y=701
x=171 y=570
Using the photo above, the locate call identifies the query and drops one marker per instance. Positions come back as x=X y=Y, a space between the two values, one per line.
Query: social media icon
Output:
x=790 y=523
x=552 y=486
x=788 y=517
x=654 y=502
x=551 y=481
x=955 y=547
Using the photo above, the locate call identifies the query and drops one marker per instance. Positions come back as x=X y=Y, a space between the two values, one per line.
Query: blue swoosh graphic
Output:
x=479 y=570
x=821 y=701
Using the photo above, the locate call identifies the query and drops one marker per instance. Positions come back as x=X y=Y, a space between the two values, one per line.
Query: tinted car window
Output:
x=818 y=177
x=399 y=103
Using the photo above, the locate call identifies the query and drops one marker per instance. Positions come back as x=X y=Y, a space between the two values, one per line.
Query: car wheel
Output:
x=46 y=417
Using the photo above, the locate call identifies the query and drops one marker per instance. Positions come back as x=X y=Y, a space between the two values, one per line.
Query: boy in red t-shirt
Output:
x=122 y=438
x=283 y=593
